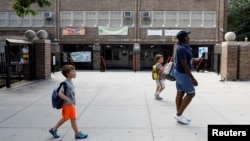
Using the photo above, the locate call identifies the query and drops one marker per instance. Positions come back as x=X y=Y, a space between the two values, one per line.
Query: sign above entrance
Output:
x=103 y=30
x=73 y=30
x=171 y=32
x=154 y=32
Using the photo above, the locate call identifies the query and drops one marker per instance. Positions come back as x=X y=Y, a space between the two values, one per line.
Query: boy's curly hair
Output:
x=66 y=69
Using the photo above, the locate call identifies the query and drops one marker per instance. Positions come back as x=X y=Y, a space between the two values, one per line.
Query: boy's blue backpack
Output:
x=57 y=102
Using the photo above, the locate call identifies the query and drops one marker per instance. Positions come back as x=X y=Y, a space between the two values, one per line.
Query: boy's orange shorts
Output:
x=68 y=112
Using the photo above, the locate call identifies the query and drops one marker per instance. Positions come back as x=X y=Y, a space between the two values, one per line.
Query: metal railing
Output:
x=16 y=72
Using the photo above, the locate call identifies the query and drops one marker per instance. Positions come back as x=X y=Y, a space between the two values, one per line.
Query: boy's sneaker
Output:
x=157 y=97
x=181 y=119
x=81 y=135
x=54 y=133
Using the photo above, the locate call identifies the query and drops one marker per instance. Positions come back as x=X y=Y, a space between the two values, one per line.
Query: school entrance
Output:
x=148 y=52
x=117 y=56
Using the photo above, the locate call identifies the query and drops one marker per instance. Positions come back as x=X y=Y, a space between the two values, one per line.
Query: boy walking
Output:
x=68 y=108
x=160 y=85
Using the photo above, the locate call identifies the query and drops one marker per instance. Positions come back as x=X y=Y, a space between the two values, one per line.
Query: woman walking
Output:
x=185 y=81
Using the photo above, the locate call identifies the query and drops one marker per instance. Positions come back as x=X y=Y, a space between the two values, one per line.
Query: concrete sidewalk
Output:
x=120 y=106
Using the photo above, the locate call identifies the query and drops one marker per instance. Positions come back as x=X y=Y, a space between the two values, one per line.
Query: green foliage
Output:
x=239 y=18
x=23 y=8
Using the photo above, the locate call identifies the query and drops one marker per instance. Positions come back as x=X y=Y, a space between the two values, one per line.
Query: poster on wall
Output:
x=73 y=30
x=103 y=30
x=203 y=52
x=81 y=56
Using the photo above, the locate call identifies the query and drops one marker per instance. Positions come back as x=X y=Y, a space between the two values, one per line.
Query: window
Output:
x=25 y=21
x=196 y=20
x=78 y=17
x=90 y=19
x=116 y=18
x=184 y=19
x=158 y=18
x=171 y=19
x=49 y=22
x=209 y=19
x=38 y=20
x=146 y=19
x=13 y=20
x=3 y=19
x=103 y=18
x=128 y=18
x=65 y=17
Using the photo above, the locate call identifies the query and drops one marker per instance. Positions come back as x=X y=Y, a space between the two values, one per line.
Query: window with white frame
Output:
x=158 y=19
x=25 y=21
x=38 y=20
x=103 y=18
x=184 y=19
x=171 y=19
x=116 y=18
x=49 y=22
x=78 y=17
x=65 y=18
x=146 y=19
x=209 y=19
x=128 y=18
x=90 y=18
x=13 y=20
x=3 y=19
x=196 y=19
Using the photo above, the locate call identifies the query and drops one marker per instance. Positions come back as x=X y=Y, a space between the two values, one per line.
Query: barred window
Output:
x=116 y=18
x=78 y=17
x=13 y=20
x=158 y=19
x=184 y=19
x=146 y=20
x=103 y=18
x=209 y=19
x=25 y=21
x=128 y=18
x=171 y=19
x=91 y=19
x=3 y=19
x=197 y=19
x=38 y=20
x=65 y=17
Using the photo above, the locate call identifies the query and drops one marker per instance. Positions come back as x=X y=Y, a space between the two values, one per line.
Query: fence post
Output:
x=7 y=65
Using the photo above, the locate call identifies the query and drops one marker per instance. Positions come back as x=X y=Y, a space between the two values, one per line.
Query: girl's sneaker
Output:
x=54 y=133
x=81 y=135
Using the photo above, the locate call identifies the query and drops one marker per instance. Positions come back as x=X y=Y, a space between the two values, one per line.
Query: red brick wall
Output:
x=43 y=59
x=199 y=35
x=244 y=61
x=235 y=61
x=229 y=55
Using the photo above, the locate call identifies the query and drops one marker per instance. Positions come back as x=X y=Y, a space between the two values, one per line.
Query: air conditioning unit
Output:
x=128 y=14
x=146 y=15
x=47 y=15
